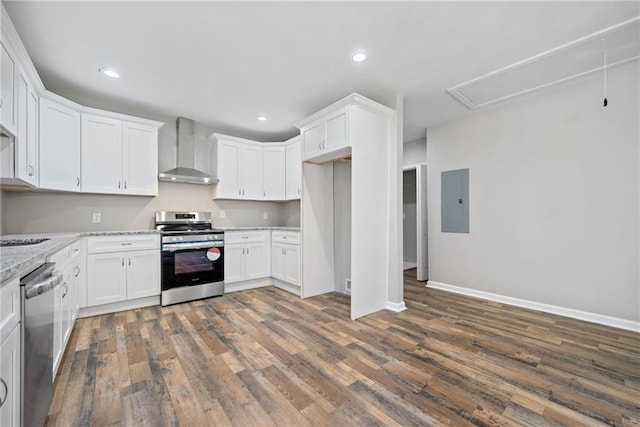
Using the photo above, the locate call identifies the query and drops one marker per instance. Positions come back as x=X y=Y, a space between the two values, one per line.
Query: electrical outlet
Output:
x=265 y=215
x=96 y=217
x=223 y=214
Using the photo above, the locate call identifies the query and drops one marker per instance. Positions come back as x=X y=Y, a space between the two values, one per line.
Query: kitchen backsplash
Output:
x=31 y=212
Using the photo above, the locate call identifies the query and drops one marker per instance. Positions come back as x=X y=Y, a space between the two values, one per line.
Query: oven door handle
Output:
x=173 y=247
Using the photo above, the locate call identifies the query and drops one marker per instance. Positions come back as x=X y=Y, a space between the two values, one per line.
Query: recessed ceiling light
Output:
x=262 y=118
x=359 y=56
x=110 y=72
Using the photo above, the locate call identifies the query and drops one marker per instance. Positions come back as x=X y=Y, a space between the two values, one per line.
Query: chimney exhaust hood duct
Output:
x=186 y=157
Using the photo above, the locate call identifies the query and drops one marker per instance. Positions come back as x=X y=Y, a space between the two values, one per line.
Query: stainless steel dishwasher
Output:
x=38 y=299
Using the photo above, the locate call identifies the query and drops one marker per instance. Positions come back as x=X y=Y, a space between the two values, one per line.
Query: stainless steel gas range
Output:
x=192 y=256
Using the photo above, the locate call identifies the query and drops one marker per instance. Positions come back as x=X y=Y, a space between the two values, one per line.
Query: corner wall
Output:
x=554 y=197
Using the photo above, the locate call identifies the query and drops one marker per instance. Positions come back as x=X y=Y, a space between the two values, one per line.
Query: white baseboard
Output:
x=247 y=284
x=601 y=319
x=396 y=306
x=119 y=306
x=286 y=286
x=409 y=265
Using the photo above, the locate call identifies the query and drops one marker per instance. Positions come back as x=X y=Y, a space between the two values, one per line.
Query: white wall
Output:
x=409 y=224
x=554 y=197
x=414 y=152
x=342 y=223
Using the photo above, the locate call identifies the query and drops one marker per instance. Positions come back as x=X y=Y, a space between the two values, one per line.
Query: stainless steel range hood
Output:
x=186 y=157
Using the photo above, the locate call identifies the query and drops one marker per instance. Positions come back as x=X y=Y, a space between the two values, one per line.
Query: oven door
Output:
x=190 y=264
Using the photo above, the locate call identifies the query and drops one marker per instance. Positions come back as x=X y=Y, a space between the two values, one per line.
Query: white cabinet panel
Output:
x=10 y=375
x=233 y=263
x=328 y=138
x=59 y=147
x=292 y=264
x=25 y=161
x=228 y=158
x=101 y=154
x=285 y=255
x=293 y=170
x=106 y=278
x=257 y=263
x=143 y=274
x=336 y=131
x=250 y=172
x=311 y=140
x=140 y=159
x=7 y=90
x=274 y=172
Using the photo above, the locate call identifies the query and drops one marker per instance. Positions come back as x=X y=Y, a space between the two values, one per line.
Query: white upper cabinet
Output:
x=118 y=157
x=239 y=169
x=327 y=138
x=101 y=155
x=7 y=91
x=293 y=169
x=140 y=162
x=274 y=172
x=59 y=146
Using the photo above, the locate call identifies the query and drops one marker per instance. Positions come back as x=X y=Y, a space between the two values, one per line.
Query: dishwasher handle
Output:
x=41 y=281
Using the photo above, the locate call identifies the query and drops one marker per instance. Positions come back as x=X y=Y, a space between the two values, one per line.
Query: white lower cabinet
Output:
x=285 y=257
x=10 y=391
x=10 y=379
x=115 y=275
x=66 y=298
x=247 y=255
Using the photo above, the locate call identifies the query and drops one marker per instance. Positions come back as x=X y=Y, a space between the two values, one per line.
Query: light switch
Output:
x=223 y=214
x=96 y=217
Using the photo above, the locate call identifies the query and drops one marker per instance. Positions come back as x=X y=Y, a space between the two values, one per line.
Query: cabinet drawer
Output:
x=134 y=242
x=65 y=254
x=231 y=237
x=292 y=237
x=9 y=306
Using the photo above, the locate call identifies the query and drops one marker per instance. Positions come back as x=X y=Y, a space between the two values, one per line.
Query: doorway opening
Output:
x=414 y=220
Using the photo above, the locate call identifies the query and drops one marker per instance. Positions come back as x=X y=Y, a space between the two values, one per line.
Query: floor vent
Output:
x=581 y=57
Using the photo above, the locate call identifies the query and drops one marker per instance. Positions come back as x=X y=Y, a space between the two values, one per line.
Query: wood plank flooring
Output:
x=266 y=358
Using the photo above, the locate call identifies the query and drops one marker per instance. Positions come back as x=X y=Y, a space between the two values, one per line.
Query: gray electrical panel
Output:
x=455 y=201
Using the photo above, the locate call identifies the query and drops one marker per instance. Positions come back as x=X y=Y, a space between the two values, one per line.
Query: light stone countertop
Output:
x=258 y=228
x=16 y=261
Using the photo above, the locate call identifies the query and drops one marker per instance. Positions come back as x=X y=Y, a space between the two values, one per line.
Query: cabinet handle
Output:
x=1 y=107
x=243 y=192
x=239 y=192
x=123 y=262
x=77 y=181
x=77 y=271
x=125 y=184
x=129 y=262
x=66 y=289
x=31 y=170
x=247 y=251
x=298 y=191
x=282 y=251
x=264 y=193
x=6 y=387
x=118 y=184
x=126 y=244
x=245 y=237
x=242 y=251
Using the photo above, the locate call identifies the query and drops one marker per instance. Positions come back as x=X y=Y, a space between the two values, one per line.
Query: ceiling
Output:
x=224 y=63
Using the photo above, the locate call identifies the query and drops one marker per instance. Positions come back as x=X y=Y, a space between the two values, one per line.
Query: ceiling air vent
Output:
x=581 y=57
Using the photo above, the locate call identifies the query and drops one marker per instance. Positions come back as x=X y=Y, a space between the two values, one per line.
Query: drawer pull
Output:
x=126 y=244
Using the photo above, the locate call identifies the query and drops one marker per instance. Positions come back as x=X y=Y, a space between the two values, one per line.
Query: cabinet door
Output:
x=143 y=273
x=228 y=157
x=337 y=131
x=273 y=173
x=106 y=278
x=59 y=147
x=277 y=261
x=26 y=141
x=101 y=155
x=10 y=376
x=311 y=141
x=250 y=172
x=292 y=264
x=7 y=90
x=294 y=170
x=234 y=263
x=140 y=160
x=257 y=261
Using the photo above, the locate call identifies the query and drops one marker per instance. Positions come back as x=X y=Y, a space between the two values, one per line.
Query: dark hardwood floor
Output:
x=265 y=357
